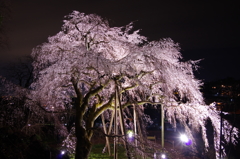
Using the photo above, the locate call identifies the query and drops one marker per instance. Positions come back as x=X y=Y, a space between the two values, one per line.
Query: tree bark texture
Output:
x=83 y=146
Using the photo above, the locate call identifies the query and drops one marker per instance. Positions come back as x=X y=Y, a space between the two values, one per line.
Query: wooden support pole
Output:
x=162 y=125
x=107 y=146
x=135 y=123
x=115 y=126
x=122 y=121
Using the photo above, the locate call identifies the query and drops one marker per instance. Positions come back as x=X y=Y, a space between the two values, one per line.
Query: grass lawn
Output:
x=98 y=148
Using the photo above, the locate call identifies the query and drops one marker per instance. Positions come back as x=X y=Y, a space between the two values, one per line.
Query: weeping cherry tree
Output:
x=88 y=60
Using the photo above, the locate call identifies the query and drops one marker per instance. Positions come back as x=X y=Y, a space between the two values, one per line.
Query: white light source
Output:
x=62 y=152
x=130 y=134
x=160 y=155
x=163 y=156
x=184 y=138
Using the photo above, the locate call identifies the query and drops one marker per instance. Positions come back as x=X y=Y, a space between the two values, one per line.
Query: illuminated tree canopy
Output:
x=87 y=59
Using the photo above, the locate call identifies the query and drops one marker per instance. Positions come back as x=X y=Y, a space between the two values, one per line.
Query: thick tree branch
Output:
x=106 y=106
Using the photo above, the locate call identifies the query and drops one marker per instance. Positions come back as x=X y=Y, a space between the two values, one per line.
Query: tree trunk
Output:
x=83 y=145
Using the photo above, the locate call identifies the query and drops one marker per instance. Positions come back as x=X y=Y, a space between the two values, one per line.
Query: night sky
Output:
x=204 y=29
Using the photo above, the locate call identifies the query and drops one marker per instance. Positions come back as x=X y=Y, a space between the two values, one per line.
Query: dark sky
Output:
x=205 y=29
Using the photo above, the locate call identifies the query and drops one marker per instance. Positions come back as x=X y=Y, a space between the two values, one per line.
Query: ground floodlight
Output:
x=184 y=138
x=130 y=134
x=159 y=155
x=163 y=156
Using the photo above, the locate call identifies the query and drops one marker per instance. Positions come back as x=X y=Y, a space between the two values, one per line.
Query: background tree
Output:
x=26 y=125
x=90 y=61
